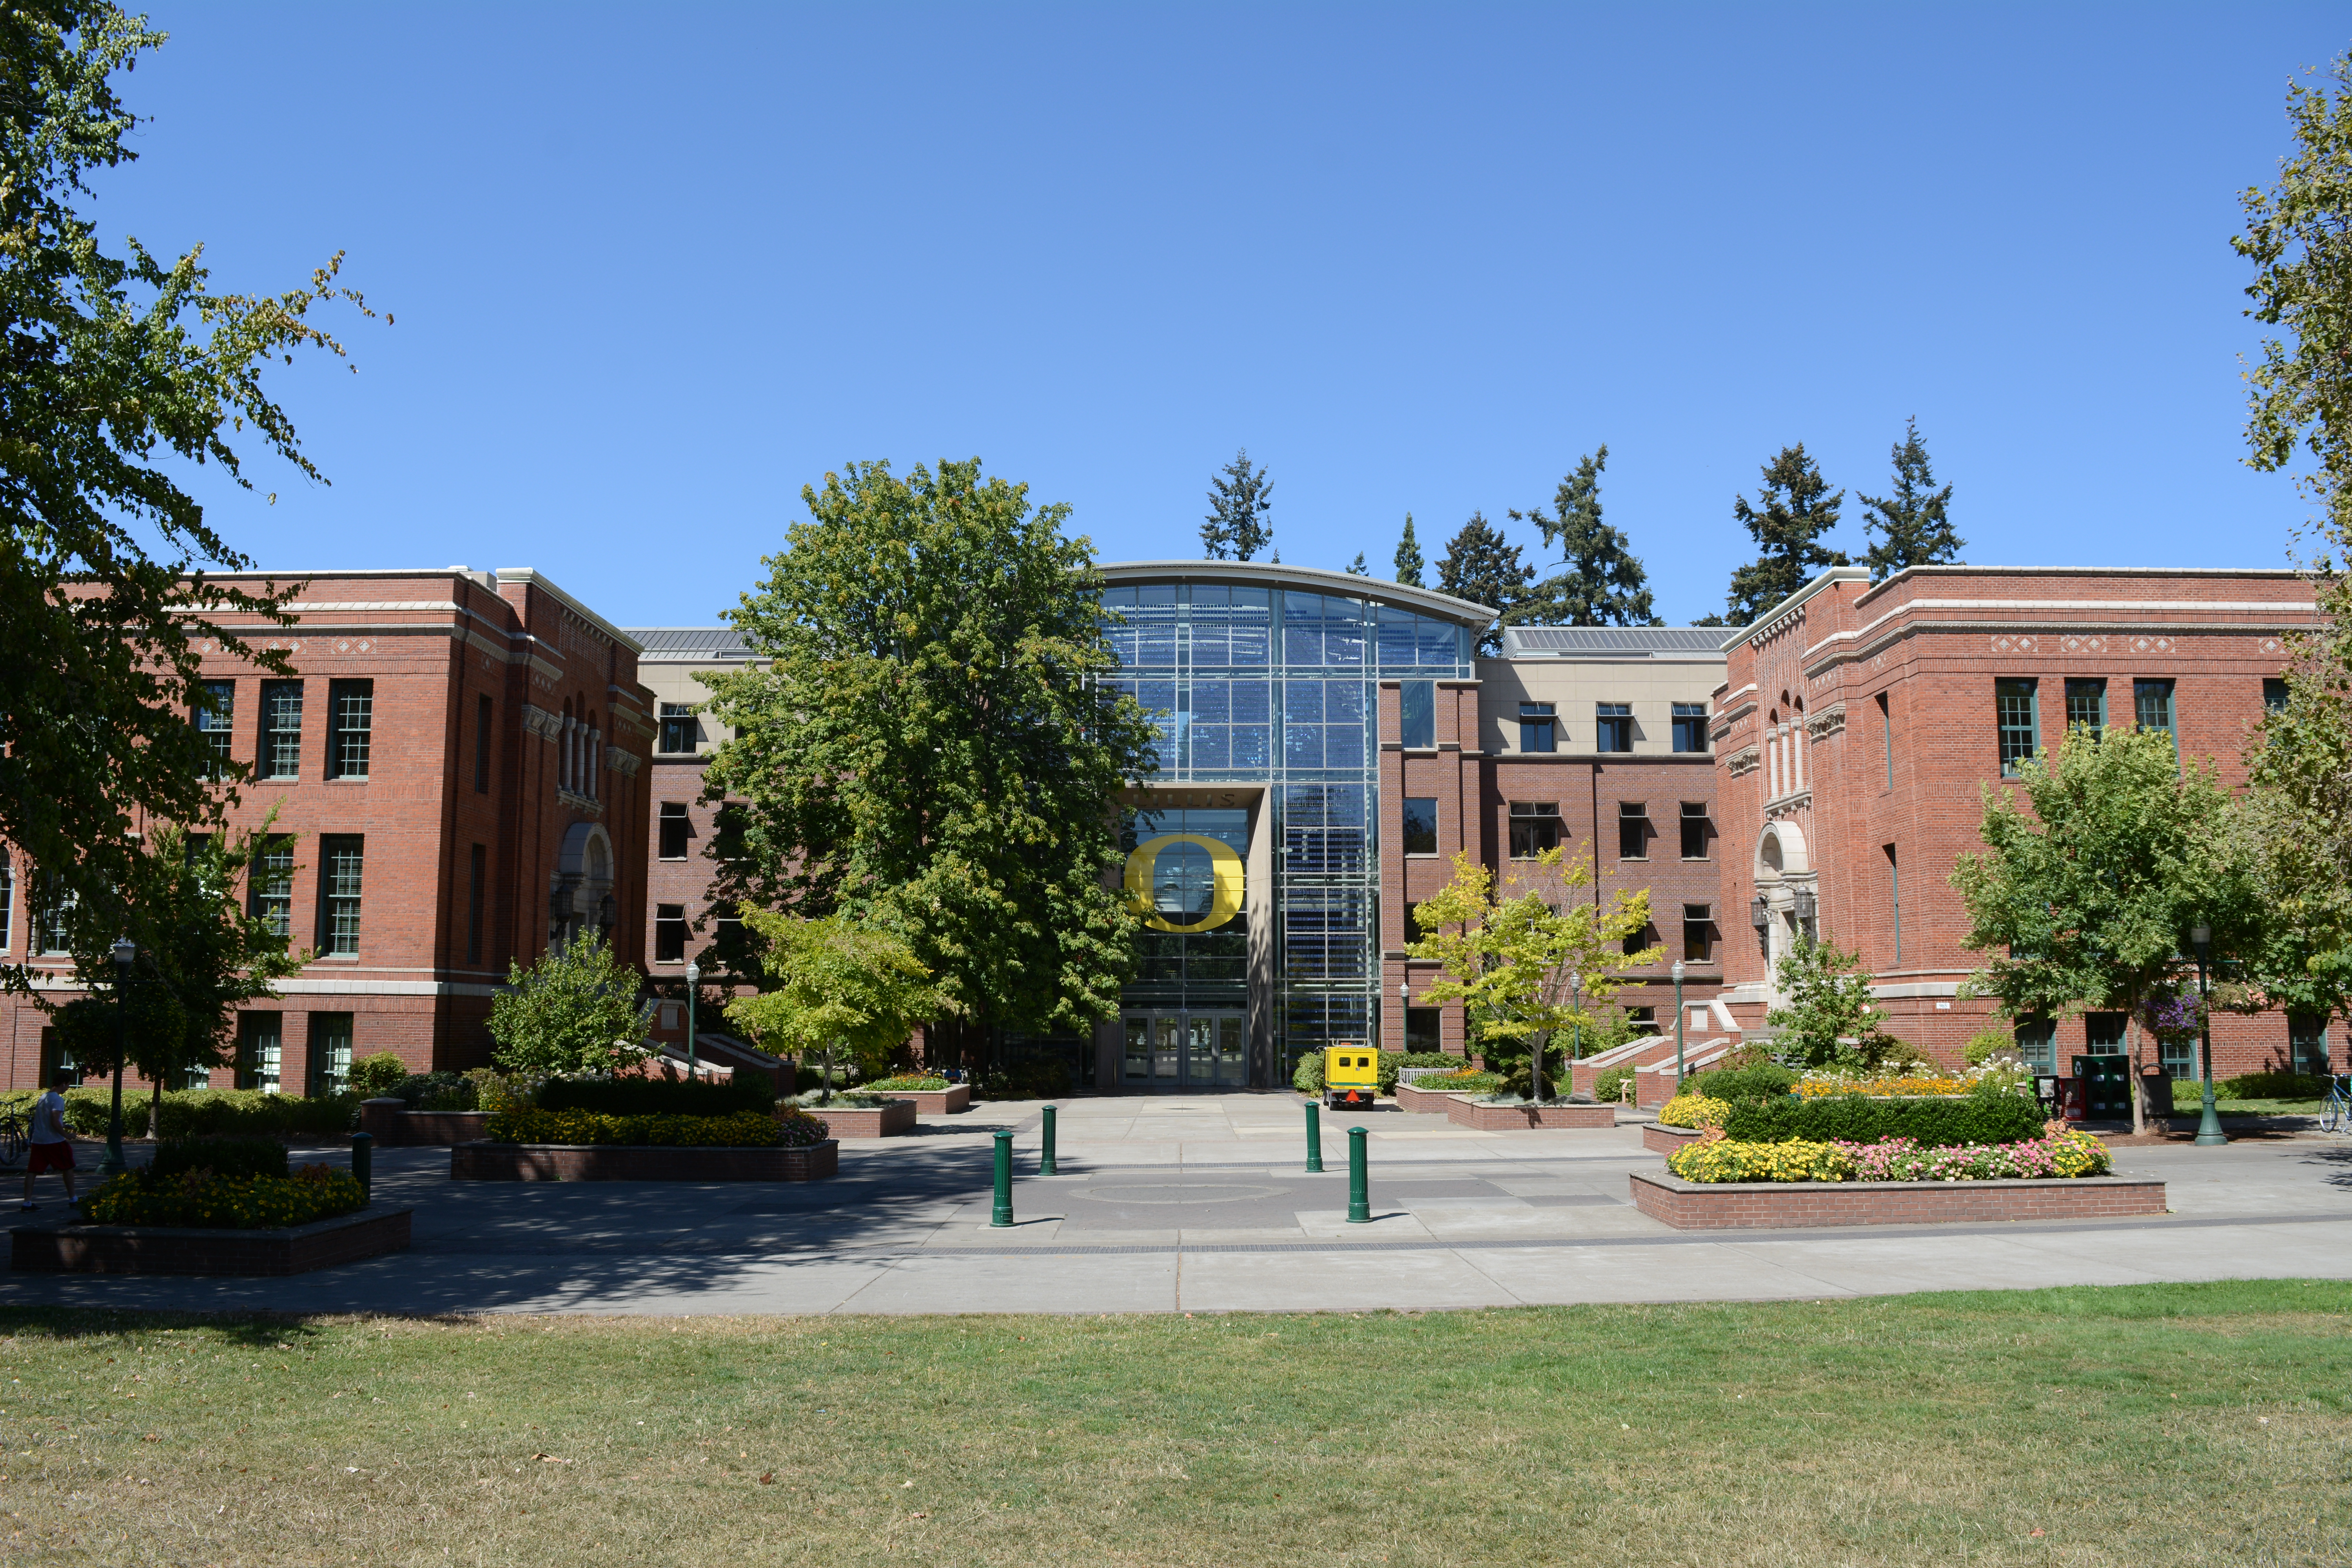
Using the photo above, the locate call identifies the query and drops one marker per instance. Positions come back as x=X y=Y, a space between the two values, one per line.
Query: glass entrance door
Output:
x=1175 y=1050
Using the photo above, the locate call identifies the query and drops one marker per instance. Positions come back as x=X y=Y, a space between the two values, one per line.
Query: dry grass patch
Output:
x=2190 y=1424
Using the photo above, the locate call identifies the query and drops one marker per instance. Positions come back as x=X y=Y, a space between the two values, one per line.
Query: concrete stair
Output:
x=1652 y=1058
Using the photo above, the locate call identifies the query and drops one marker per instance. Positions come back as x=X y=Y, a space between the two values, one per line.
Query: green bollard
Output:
x=1002 y=1215
x=1359 y=1200
x=1046 y=1166
x=363 y=1163
x=1313 y=1137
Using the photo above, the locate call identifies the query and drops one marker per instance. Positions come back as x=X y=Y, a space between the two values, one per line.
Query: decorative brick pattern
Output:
x=639 y=1163
x=171 y=1249
x=1780 y=1206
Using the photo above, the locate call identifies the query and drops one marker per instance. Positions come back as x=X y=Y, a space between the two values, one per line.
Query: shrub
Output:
x=87 y=1112
x=436 y=1091
x=1694 y=1111
x=737 y=1130
x=221 y=1156
x=206 y=1112
x=1307 y=1078
x=1979 y=1119
x=1023 y=1077
x=1466 y=1081
x=214 y=1201
x=2266 y=1085
x=906 y=1081
x=1395 y=1062
x=1761 y=1080
x=628 y=1094
x=374 y=1076
x=1609 y=1084
x=1987 y=1044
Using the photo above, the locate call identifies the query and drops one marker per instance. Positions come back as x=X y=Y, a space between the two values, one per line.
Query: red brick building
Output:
x=1857 y=725
x=458 y=763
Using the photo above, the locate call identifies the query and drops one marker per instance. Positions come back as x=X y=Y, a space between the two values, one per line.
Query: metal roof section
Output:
x=1304 y=579
x=696 y=642
x=1612 y=642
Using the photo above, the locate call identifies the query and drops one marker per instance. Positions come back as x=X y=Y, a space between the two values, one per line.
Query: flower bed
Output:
x=932 y=1096
x=1883 y=1087
x=203 y=1199
x=1770 y=1205
x=1694 y=1111
x=788 y=1127
x=2060 y=1153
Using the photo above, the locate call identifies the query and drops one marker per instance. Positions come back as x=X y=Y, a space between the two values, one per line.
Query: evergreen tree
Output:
x=1602 y=583
x=1916 y=519
x=1239 y=497
x=1791 y=514
x=1357 y=568
x=1482 y=566
x=1408 y=556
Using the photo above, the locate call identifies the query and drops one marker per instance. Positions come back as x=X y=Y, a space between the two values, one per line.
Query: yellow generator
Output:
x=1351 y=1075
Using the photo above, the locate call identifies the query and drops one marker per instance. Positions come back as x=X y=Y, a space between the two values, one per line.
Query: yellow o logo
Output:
x=1225 y=893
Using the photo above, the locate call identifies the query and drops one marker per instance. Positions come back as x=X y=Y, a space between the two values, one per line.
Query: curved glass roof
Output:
x=1307 y=579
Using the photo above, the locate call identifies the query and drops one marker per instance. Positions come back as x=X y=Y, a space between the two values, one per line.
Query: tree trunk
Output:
x=2132 y=1054
x=155 y=1111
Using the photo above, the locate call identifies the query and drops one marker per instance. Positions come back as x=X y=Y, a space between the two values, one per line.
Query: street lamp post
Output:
x=693 y=991
x=1678 y=1025
x=126 y=953
x=1404 y=1012
x=2209 y=1126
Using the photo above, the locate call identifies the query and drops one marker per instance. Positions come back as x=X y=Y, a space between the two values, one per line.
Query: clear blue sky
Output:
x=654 y=268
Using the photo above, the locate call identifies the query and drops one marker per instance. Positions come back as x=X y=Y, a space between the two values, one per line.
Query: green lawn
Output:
x=2140 y=1425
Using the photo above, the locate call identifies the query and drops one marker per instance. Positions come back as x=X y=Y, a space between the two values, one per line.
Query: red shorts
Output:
x=49 y=1157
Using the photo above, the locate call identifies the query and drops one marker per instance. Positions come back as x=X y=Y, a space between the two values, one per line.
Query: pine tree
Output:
x=1357 y=568
x=1408 y=556
x=1603 y=584
x=1791 y=514
x=1482 y=566
x=1916 y=519
x=1239 y=498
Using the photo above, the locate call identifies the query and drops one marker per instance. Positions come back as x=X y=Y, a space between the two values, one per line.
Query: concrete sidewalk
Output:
x=1202 y=1204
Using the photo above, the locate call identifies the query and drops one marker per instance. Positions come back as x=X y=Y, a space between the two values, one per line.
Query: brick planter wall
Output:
x=1771 y=1205
x=1424 y=1101
x=846 y=1121
x=1508 y=1118
x=173 y=1249
x=936 y=1102
x=1659 y=1139
x=639 y=1163
x=393 y=1125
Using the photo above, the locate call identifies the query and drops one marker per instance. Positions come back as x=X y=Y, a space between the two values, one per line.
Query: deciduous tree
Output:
x=577 y=1010
x=1914 y=522
x=835 y=985
x=1601 y=582
x=1793 y=509
x=1830 y=1018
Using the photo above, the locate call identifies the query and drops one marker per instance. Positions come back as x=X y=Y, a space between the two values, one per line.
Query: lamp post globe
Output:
x=2209 y=1125
x=693 y=993
x=126 y=953
x=1678 y=972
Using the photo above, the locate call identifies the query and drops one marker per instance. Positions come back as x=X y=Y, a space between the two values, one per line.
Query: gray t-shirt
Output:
x=49 y=1117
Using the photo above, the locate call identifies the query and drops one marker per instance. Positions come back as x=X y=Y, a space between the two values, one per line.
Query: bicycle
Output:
x=14 y=1140
x=2335 y=1109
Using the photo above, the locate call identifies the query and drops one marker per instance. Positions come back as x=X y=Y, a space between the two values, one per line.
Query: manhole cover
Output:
x=1179 y=1192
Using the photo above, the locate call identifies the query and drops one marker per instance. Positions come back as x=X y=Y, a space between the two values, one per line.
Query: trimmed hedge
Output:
x=737 y=1130
x=2262 y=1086
x=1765 y=1080
x=221 y=1156
x=930 y=1082
x=225 y=1203
x=204 y=1112
x=1979 y=1119
x=658 y=1095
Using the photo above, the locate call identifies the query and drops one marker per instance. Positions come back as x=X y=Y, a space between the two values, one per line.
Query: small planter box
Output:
x=848 y=1121
x=488 y=1162
x=175 y=1249
x=1426 y=1100
x=1660 y=1138
x=1777 y=1205
x=935 y=1101
x=1469 y=1113
x=394 y=1126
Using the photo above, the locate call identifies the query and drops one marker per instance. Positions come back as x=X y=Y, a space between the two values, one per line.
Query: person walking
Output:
x=52 y=1150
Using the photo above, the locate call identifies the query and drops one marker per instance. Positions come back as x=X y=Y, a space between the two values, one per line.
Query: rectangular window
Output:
x=216 y=717
x=340 y=862
x=2152 y=706
x=351 y=722
x=1421 y=825
x=1417 y=707
x=1697 y=828
x=1698 y=933
x=53 y=915
x=1421 y=1027
x=670 y=933
x=269 y=887
x=1894 y=898
x=1887 y=737
x=1612 y=726
x=2086 y=707
x=2102 y=1033
x=675 y=830
x=1535 y=828
x=482 y=713
x=2274 y=696
x=280 y=756
x=330 y=1053
x=259 y=1048
x=1632 y=830
x=678 y=730
x=2019 y=723
x=1414 y=930
x=2306 y=1044
x=1690 y=726
x=1538 y=729
x=1647 y=937
x=2037 y=1045
x=475 y=888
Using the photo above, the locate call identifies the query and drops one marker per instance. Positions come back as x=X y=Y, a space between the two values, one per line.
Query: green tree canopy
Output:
x=1601 y=582
x=1914 y=523
x=834 y=983
x=1793 y=509
x=1357 y=568
x=1408 y=556
x=1482 y=566
x=1829 y=1017
x=937 y=744
x=577 y=1010
x=1240 y=497
x=113 y=372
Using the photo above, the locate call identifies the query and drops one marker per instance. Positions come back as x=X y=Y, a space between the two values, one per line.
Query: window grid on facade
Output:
x=1612 y=726
x=1535 y=828
x=1538 y=728
x=1698 y=933
x=475 y=888
x=2086 y=707
x=1690 y=726
x=1698 y=827
x=1420 y=833
x=330 y=1053
x=215 y=722
x=678 y=727
x=2037 y=1045
x=351 y=725
x=259 y=1046
x=670 y=933
x=1632 y=830
x=2306 y=1037
x=269 y=887
x=2020 y=730
x=483 y=713
x=282 y=729
x=2274 y=695
x=2152 y=706
x=1417 y=713
x=1887 y=736
x=340 y=863
x=53 y=919
x=1647 y=937
x=677 y=829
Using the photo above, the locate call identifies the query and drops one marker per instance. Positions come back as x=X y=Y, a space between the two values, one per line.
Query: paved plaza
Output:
x=1201 y=1204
